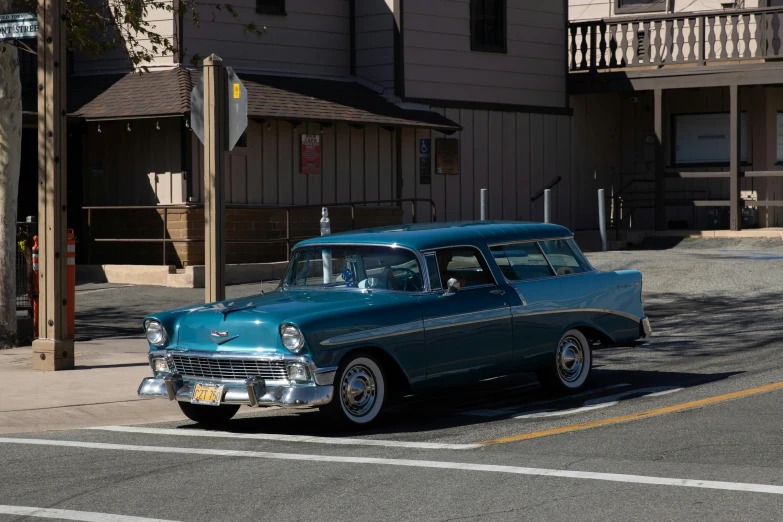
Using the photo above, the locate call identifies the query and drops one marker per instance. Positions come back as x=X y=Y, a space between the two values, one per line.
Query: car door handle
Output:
x=497 y=292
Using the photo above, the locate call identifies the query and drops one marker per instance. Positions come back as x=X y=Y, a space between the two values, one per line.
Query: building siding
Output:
x=375 y=28
x=513 y=155
x=440 y=65
x=161 y=21
x=313 y=38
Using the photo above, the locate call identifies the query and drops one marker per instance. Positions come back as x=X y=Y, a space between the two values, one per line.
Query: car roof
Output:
x=423 y=236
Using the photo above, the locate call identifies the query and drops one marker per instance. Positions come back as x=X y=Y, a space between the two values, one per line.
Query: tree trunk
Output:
x=10 y=157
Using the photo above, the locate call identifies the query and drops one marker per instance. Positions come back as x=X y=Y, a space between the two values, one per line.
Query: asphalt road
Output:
x=685 y=429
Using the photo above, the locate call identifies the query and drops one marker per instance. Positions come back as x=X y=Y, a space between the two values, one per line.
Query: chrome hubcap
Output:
x=358 y=390
x=570 y=359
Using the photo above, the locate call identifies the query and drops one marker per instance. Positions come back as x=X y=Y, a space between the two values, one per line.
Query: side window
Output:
x=565 y=257
x=465 y=264
x=432 y=270
x=521 y=262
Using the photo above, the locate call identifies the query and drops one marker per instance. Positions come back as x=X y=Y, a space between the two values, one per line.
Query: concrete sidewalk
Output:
x=101 y=390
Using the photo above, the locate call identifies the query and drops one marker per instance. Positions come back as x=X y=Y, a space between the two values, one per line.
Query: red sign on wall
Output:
x=311 y=154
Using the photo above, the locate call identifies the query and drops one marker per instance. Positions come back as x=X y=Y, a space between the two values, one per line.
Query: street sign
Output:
x=17 y=26
x=236 y=109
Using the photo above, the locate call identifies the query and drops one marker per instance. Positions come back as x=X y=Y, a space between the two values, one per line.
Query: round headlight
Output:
x=292 y=338
x=156 y=334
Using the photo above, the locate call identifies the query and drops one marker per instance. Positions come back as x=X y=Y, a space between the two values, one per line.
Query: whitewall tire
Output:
x=359 y=390
x=572 y=364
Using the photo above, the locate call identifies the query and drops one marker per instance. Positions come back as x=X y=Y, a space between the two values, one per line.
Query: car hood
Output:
x=252 y=323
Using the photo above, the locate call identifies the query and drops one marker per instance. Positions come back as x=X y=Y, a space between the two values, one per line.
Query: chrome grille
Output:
x=229 y=368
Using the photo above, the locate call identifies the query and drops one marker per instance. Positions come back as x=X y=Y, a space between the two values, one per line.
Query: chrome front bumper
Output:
x=254 y=392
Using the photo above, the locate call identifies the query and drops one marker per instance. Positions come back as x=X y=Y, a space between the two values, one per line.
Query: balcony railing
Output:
x=696 y=39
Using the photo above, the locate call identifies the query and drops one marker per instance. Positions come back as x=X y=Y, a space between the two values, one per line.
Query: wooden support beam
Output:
x=660 y=172
x=53 y=350
x=698 y=175
x=735 y=221
x=215 y=145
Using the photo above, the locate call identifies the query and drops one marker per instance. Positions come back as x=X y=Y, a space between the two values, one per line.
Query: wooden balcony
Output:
x=683 y=40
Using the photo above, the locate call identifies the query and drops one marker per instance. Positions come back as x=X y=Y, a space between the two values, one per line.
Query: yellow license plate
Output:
x=207 y=394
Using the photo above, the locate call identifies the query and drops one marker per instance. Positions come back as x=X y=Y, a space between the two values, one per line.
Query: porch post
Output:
x=736 y=148
x=660 y=173
x=53 y=350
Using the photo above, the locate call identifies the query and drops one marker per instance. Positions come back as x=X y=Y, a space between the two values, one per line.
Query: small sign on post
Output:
x=18 y=26
x=425 y=161
x=236 y=109
x=311 y=154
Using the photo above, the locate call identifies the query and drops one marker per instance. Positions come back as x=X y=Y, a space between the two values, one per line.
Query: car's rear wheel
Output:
x=570 y=369
x=359 y=391
x=209 y=415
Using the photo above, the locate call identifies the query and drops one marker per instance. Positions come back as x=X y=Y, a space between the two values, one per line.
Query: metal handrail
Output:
x=235 y=206
x=541 y=193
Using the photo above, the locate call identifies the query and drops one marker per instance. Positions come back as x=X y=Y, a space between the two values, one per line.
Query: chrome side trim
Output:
x=530 y=241
x=375 y=333
x=483 y=316
x=521 y=310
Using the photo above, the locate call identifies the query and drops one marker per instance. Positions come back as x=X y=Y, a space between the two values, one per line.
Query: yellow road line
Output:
x=635 y=416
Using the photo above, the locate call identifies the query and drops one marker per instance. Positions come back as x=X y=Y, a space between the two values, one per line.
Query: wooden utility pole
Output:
x=52 y=350
x=215 y=146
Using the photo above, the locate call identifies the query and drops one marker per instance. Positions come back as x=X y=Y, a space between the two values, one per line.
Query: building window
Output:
x=639 y=6
x=270 y=7
x=488 y=26
x=704 y=139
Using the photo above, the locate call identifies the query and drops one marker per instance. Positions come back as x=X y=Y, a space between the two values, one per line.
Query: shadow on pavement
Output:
x=445 y=408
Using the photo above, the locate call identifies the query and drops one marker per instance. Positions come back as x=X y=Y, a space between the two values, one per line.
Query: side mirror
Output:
x=453 y=285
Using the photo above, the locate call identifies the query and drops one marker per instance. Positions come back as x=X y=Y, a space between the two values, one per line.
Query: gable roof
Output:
x=167 y=93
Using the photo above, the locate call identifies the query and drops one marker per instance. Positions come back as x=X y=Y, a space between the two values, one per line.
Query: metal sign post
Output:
x=53 y=350
x=218 y=116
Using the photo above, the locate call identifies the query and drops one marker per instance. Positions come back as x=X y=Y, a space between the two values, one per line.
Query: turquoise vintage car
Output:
x=365 y=315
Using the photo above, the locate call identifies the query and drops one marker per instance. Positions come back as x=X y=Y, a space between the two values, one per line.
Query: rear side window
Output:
x=521 y=262
x=465 y=264
x=565 y=257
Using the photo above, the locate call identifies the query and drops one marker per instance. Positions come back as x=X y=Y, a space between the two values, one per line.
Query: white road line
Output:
x=598 y=403
x=432 y=464
x=288 y=438
x=67 y=514
x=82 y=292
x=500 y=412
x=559 y=413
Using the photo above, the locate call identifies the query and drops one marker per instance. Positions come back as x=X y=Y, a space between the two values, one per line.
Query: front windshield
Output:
x=359 y=266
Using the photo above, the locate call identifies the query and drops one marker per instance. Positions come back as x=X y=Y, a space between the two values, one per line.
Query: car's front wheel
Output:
x=570 y=369
x=359 y=391
x=209 y=415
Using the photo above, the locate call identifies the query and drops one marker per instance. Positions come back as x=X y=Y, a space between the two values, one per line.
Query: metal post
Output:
x=53 y=350
x=736 y=149
x=660 y=173
x=215 y=145
x=547 y=202
x=602 y=219
x=326 y=253
x=484 y=205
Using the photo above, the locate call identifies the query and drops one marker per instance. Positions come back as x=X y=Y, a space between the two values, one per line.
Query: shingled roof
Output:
x=269 y=97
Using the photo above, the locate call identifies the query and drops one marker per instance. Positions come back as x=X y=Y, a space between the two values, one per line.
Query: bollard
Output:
x=71 y=294
x=602 y=219
x=35 y=287
x=326 y=254
x=484 y=205
x=547 y=202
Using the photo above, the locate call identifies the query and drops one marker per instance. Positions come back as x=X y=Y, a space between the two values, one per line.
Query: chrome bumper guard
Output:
x=647 y=329
x=253 y=393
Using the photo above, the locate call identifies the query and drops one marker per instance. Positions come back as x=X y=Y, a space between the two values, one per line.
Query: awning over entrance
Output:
x=167 y=93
